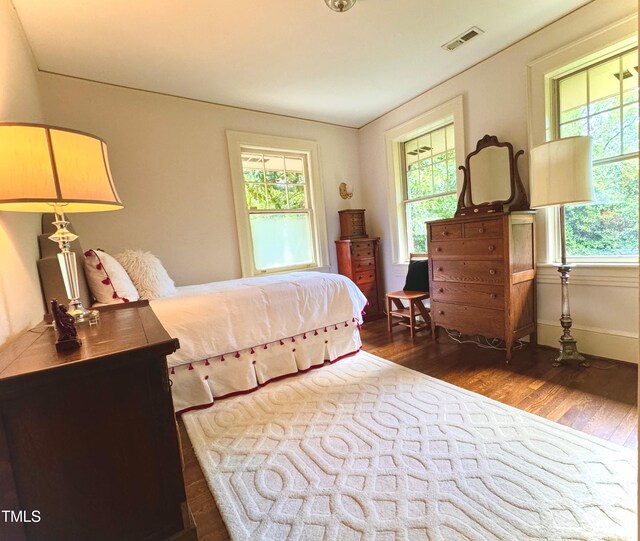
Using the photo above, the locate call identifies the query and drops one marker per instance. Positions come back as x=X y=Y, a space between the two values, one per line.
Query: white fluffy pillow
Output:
x=109 y=282
x=147 y=273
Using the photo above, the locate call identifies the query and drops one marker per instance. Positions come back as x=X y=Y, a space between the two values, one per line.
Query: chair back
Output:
x=417 y=274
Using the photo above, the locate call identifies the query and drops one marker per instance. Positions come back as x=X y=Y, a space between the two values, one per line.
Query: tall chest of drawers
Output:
x=358 y=260
x=482 y=276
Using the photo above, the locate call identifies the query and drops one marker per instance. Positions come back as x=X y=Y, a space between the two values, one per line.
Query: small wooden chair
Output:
x=399 y=314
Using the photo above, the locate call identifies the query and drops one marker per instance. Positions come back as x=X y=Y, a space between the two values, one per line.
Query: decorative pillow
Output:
x=417 y=276
x=108 y=281
x=147 y=273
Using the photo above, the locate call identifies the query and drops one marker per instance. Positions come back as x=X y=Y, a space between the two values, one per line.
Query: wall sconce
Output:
x=344 y=192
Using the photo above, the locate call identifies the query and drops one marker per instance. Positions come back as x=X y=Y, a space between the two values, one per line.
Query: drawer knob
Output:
x=441 y=290
x=438 y=249
x=440 y=269
x=440 y=312
x=492 y=272
x=491 y=247
x=481 y=230
x=493 y=295
x=445 y=233
x=368 y=253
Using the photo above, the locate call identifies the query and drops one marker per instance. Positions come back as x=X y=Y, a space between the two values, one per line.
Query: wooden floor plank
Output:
x=599 y=402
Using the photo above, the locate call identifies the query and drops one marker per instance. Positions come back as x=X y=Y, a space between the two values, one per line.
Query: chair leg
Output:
x=412 y=318
x=389 y=315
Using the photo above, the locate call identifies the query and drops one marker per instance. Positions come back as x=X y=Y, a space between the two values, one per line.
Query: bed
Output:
x=237 y=335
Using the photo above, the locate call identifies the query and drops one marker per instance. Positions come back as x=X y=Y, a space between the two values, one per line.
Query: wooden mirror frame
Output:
x=517 y=200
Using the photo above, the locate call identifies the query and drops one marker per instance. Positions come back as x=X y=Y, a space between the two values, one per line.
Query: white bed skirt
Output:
x=196 y=385
x=239 y=334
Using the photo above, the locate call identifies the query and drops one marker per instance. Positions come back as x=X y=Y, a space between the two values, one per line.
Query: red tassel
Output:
x=367 y=303
x=325 y=329
x=106 y=281
x=293 y=339
x=206 y=362
x=293 y=349
x=346 y=324
x=315 y=333
x=221 y=358
x=353 y=320
x=115 y=295
x=88 y=253
x=237 y=354
x=252 y=351
x=253 y=362
x=335 y=328
x=304 y=336
x=190 y=366
x=364 y=313
x=281 y=343
x=326 y=341
x=173 y=370
x=124 y=299
x=359 y=326
x=206 y=377
x=265 y=346
x=99 y=266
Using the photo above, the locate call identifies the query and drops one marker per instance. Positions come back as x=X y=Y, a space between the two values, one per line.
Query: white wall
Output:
x=605 y=311
x=21 y=303
x=171 y=168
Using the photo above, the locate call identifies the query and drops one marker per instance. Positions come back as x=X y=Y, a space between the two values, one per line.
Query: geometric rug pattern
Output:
x=368 y=450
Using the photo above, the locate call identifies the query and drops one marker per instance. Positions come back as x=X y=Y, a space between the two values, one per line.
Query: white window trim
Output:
x=236 y=141
x=610 y=40
x=450 y=111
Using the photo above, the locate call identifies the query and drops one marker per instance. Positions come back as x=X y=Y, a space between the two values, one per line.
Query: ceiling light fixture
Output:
x=340 y=5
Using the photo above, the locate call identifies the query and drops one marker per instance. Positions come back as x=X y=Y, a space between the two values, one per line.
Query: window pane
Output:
x=578 y=127
x=256 y=196
x=604 y=86
x=294 y=165
x=411 y=152
x=297 y=199
x=607 y=138
x=281 y=240
x=630 y=80
x=424 y=211
x=277 y=196
x=630 y=129
x=610 y=227
x=573 y=97
x=451 y=172
x=451 y=137
x=414 y=186
x=253 y=175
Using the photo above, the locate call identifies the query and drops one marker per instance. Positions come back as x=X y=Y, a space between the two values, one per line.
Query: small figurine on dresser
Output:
x=65 y=326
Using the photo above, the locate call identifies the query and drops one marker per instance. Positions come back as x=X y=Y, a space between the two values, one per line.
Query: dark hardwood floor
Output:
x=601 y=400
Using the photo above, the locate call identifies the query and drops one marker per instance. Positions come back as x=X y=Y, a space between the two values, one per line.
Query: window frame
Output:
x=608 y=41
x=242 y=142
x=552 y=100
x=446 y=113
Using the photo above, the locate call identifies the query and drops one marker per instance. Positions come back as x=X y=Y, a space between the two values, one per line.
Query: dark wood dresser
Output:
x=358 y=260
x=482 y=275
x=88 y=440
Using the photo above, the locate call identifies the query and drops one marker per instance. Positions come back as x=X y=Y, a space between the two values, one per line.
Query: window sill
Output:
x=592 y=274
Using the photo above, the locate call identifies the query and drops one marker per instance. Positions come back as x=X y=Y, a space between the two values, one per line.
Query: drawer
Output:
x=489 y=248
x=476 y=272
x=364 y=264
x=361 y=252
x=365 y=277
x=483 y=295
x=488 y=228
x=469 y=319
x=445 y=231
x=369 y=289
x=362 y=245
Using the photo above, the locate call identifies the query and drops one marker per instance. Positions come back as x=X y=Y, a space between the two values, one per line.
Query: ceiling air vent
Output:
x=462 y=38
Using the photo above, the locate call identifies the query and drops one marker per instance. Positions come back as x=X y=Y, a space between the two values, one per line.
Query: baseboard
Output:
x=593 y=341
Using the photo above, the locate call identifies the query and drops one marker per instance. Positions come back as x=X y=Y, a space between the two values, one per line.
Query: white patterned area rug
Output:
x=368 y=450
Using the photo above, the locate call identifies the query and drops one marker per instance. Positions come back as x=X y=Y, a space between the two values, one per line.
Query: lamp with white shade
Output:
x=46 y=168
x=561 y=175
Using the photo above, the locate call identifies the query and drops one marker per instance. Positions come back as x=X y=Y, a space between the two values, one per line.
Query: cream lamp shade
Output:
x=561 y=172
x=43 y=166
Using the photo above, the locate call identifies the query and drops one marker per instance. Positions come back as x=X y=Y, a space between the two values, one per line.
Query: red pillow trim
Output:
x=107 y=280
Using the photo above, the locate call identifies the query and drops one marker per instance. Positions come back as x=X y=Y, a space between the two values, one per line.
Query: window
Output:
x=601 y=100
x=277 y=206
x=422 y=176
x=429 y=183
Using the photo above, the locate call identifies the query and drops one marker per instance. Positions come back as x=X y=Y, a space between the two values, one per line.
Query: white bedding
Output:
x=233 y=320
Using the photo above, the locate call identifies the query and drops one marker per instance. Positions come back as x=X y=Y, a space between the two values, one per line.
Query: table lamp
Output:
x=46 y=168
x=560 y=175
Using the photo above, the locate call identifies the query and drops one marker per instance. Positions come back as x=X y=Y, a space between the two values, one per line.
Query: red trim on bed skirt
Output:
x=277 y=378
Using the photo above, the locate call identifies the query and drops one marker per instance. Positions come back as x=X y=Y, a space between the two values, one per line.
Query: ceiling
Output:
x=295 y=58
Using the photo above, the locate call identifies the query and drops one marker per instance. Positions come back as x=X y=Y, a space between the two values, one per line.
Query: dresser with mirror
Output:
x=482 y=261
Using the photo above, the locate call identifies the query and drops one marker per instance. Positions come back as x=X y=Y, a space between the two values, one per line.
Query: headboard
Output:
x=51 y=281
